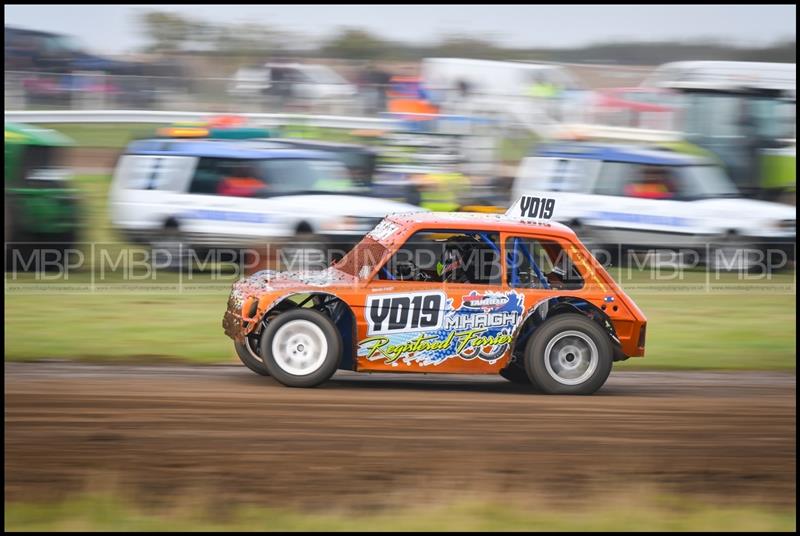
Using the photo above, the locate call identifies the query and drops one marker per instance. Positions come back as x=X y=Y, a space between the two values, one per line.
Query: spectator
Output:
x=655 y=184
x=242 y=182
x=375 y=83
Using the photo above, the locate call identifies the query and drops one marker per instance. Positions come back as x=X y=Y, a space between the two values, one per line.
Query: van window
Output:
x=296 y=175
x=642 y=181
x=613 y=178
x=236 y=177
x=226 y=176
x=41 y=166
x=556 y=174
x=144 y=172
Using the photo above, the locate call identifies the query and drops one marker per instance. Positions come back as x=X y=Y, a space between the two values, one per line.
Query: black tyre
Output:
x=732 y=253
x=569 y=354
x=515 y=374
x=301 y=348
x=248 y=354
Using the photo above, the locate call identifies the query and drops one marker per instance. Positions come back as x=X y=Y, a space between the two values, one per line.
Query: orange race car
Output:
x=514 y=294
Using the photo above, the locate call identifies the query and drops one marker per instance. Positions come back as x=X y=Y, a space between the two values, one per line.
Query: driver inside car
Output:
x=459 y=256
x=464 y=259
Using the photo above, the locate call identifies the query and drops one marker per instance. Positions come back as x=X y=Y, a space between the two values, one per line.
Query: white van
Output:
x=201 y=194
x=633 y=197
x=315 y=86
x=502 y=88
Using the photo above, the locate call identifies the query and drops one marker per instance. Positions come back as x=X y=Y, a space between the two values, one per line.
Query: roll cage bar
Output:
x=518 y=248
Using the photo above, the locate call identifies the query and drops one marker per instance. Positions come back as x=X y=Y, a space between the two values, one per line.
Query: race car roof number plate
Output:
x=531 y=207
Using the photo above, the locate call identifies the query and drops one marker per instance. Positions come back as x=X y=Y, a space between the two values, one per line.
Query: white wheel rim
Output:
x=299 y=347
x=571 y=357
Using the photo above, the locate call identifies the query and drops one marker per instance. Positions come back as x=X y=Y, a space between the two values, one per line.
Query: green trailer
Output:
x=41 y=204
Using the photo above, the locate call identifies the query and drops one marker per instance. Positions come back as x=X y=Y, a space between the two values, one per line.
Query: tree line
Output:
x=172 y=33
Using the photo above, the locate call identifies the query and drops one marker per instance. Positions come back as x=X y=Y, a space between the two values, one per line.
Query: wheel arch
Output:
x=550 y=307
x=331 y=305
x=303 y=227
x=171 y=223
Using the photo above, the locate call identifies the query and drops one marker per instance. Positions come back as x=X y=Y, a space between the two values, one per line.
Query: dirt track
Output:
x=370 y=439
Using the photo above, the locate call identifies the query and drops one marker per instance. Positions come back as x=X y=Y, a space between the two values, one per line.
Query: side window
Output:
x=445 y=256
x=613 y=178
x=226 y=177
x=165 y=173
x=207 y=176
x=555 y=174
x=652 y=182
x=637 y=180
x=569 y=175
x=540 y=263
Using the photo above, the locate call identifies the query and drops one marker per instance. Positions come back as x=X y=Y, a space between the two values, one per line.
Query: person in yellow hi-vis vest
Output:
x=541 y=88
x=442 y=191
x=545 y=93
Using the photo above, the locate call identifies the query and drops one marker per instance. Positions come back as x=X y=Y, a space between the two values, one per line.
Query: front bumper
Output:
x=232 y=322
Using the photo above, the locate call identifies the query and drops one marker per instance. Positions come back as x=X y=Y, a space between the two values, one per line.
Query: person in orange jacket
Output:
x=241 y=183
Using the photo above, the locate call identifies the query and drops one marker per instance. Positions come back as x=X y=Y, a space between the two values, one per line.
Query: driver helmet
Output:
x=455 y=256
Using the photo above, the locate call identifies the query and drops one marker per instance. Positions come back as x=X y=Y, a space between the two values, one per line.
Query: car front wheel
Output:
x=569 y=354
x=301 y=348
x=248 y=354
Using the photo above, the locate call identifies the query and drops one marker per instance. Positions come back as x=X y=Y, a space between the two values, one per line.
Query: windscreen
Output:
x=360 y=261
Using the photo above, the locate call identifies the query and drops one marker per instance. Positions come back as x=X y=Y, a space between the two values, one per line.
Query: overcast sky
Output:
x=114 y=28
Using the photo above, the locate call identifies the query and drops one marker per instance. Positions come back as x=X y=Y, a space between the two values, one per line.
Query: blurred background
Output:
x=155 y=154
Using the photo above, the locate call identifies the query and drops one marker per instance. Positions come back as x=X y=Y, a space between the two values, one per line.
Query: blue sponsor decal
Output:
x=229 y=215
x=650 y=219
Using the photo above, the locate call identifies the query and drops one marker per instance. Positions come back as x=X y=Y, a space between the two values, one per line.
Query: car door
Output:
x=415 y=320
x=539 y=268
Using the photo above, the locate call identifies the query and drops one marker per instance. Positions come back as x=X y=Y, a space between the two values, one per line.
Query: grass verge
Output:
x=104 y=135
x=659 y=513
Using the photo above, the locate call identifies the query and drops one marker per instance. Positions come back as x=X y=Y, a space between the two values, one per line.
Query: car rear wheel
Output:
x=301 y=348
x=569 y=354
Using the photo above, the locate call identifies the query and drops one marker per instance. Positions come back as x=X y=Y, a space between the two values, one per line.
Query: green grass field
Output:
x=118 y=135
x=104 y=135
x=649 y=513
x=690 y=325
